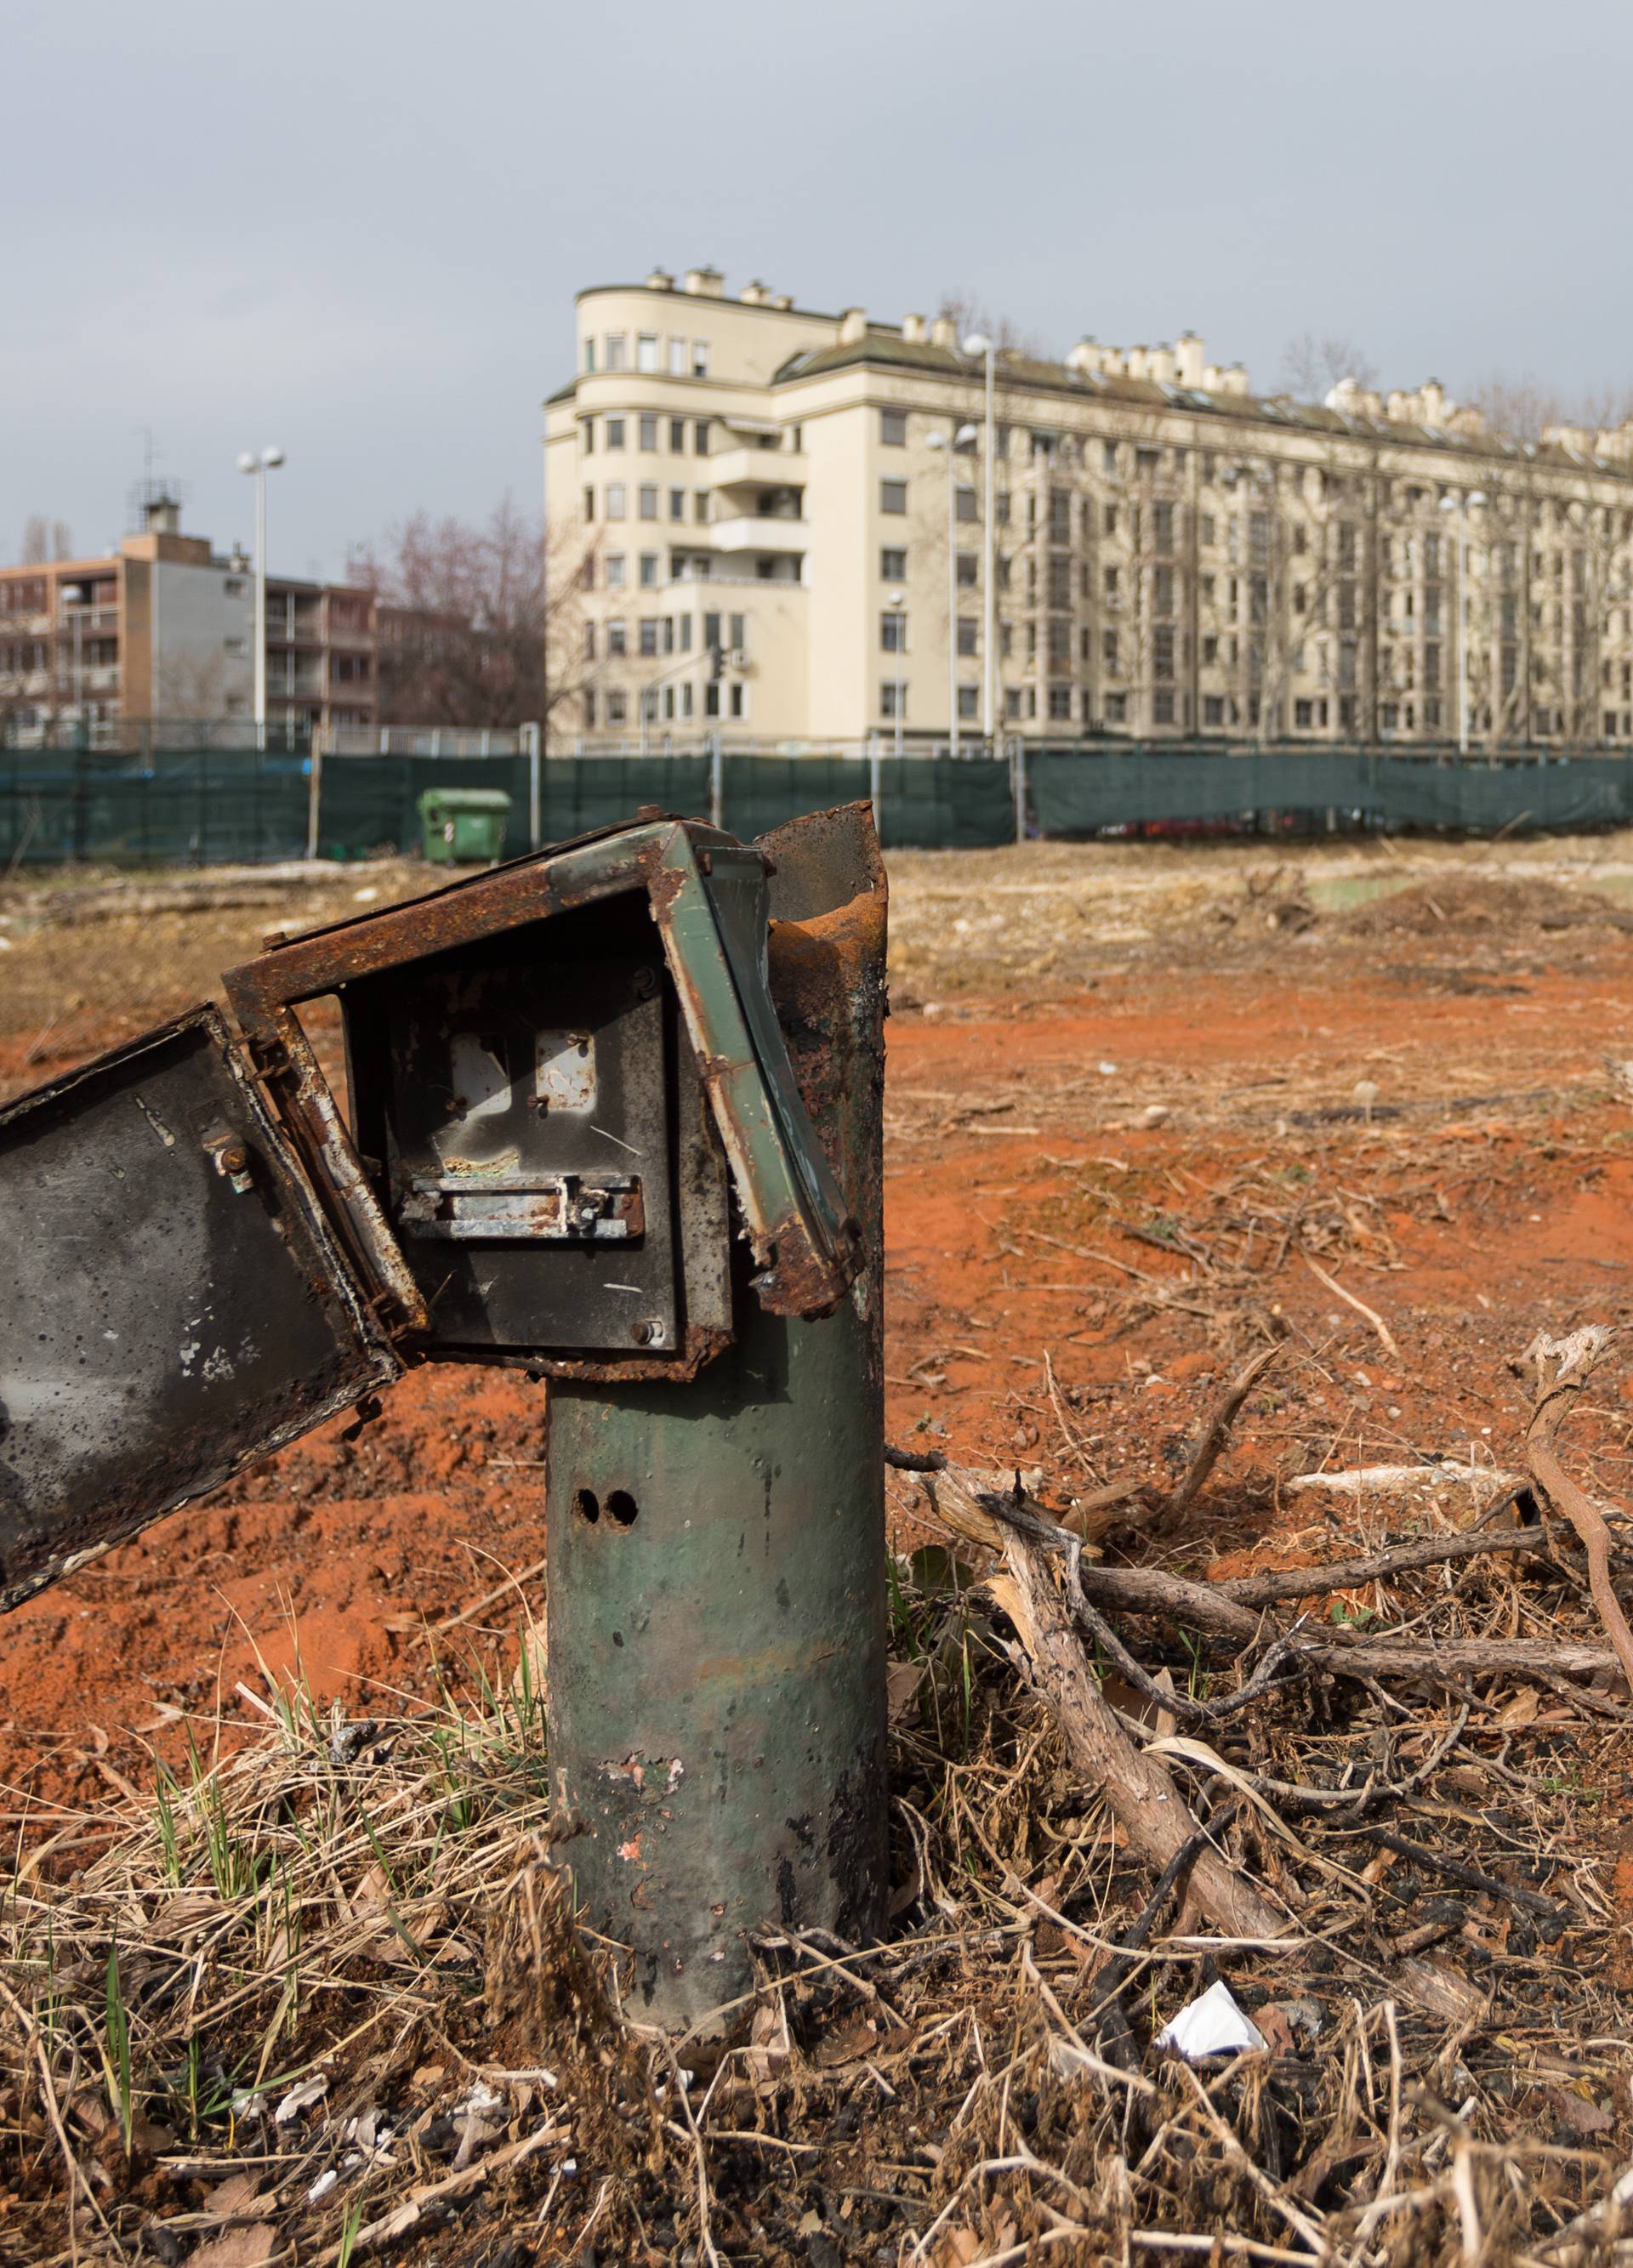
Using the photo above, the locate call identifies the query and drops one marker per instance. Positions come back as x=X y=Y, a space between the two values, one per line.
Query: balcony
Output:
x=756 y=531
x=759 y=468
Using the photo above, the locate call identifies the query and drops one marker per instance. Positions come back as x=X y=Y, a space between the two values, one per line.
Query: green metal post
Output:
x=716 y=1616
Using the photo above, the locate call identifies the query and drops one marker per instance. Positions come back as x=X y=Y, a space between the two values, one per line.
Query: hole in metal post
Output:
x=584 y=1506
x=622 y=1507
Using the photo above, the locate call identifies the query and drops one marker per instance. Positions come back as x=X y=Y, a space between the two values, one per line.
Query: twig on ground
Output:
x=1386 y=1336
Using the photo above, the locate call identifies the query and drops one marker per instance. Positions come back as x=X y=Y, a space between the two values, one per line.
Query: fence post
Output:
x=1018 y=773
x=530 y=737
x=717 y=781
x=876 y=776
x=314 y=791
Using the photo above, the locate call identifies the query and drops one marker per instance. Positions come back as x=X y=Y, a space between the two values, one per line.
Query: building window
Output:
x=736 y=692
x=1213 y=708
x=617 y=708
x=678 y=358
x=615 y=570
x=614 y=433
x=893 y=698
x=893 y=565
x=648 y=432
x=700 y=506
x=677 y=503
x=1109 y=654
x=964 y=503
x=1108 y=457
x=1163 y=708
x=967 y=634
x=649 y=639
x=700 y=364
x=677 y=437
x=614 y=501
x=893 y=632
x=700 y=436
x=687 y=699
x=1117 y=708
x=737 y=631
x=1163 y=651
x=590 y=710
x=966 y=572
x=966 y=701
x=893 y=496
x=1012 y=703
x=648 y=571
x=1108 y=581
x=1061 y=703
x=589 y=503
x=893 y=428
x=617 y=352
x=649 y=504
x=589 y=641
x=617 y=638
x=587 y=436
x=647 y=351
x=711 y=700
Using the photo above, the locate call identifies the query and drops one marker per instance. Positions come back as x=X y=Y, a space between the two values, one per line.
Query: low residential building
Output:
x=788 y=540
x=163 y=630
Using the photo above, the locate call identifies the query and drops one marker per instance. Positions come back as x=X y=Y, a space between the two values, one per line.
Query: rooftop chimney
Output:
x=944 y=332
x=161 y=515
x=706 y=282
x=853 y=325
x=913 y=330
x=754 y=294
x=1088 y=357
x=1138 y=361
x=660 y=280
x=1161 y=365
x=1188 y=358
x=1432 y=395
x=1234 y=381
x=783 y=299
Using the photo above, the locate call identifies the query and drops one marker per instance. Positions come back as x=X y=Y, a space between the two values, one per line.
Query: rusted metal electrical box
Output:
x=612 y=1115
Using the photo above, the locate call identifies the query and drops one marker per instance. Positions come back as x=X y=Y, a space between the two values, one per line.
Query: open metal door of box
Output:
x=176 y=1305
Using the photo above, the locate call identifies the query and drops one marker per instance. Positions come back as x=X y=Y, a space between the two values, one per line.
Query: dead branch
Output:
x=1563 y=1368
x=1217 y=1432
x=1146 y=1801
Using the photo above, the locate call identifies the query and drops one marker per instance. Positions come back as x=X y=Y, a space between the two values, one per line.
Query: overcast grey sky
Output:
x=356 y=228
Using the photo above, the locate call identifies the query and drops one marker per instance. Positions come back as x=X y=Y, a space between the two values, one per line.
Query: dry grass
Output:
x=318 y=1999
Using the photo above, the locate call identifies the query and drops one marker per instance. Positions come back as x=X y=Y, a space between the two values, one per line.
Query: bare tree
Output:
x=1524 y=408
x=478 y=625
x=1312 y=366
x=45 y=540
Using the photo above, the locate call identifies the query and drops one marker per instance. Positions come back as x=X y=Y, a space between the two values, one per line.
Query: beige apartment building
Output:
x=786 y=541
x=164 y=629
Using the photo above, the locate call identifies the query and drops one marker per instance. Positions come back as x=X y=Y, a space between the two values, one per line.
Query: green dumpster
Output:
x=463 y=826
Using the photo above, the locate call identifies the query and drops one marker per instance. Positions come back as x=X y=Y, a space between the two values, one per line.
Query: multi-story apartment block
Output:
x=164 y=630
x=784 y=535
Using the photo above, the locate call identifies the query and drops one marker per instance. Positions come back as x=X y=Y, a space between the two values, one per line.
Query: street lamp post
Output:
x=1459 y=504
x=259 y=463
x=961 y=439
x=898 y=600
x=978 y=345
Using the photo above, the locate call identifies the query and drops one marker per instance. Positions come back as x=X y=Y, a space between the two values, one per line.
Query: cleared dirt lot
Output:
x=1135 y=1091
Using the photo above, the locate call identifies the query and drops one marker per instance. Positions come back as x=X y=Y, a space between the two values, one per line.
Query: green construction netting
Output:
x=198 y=806
x=1073 y=792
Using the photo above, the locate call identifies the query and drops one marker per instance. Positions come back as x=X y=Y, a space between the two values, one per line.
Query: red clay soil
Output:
x=1054 y=1174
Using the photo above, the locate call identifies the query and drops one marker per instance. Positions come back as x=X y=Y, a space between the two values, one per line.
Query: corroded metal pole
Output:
x=716 y=1616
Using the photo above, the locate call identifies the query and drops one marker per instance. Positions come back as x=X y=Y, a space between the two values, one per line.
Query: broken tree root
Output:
x=1563 y=1368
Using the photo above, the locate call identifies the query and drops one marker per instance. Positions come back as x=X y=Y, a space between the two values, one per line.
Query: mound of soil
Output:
x=1487 y=903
